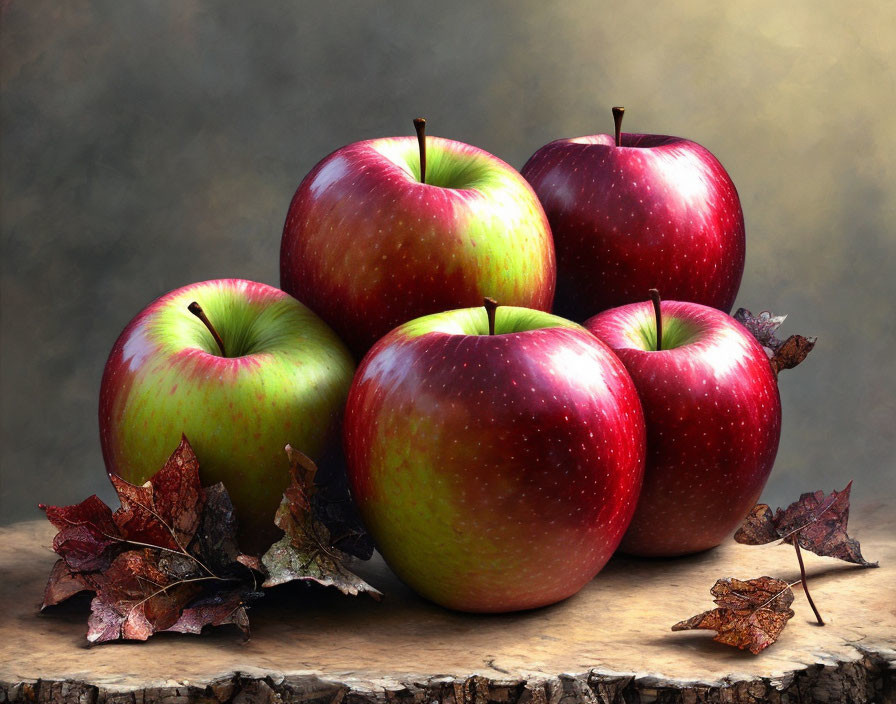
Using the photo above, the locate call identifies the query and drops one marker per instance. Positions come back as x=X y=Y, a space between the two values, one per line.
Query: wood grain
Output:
x=610 y=643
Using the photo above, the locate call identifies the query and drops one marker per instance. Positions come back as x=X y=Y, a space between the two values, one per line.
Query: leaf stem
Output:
x=491 y=305
x=657 y=312
x=799 y=556
x=618 y=112
x=420 y=127
x=196 y=310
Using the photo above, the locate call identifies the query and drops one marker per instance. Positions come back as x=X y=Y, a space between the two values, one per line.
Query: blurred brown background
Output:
x=146 y=145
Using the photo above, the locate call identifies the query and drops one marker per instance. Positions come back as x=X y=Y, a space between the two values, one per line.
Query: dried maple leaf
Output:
x=88 y=537
x=750 y=614
x=137 y=597
x=166 y=560
x=816 y=521
x=782 y=354
x=306 y=551
x=165 y=511
x=214 y=610
x=62 y=584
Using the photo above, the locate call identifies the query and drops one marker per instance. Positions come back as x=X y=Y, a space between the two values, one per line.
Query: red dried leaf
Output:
x=166 y=560
x=135 y=598
x=782 y=354
x=306 y=552
x=750 y=614
x=88 y=538
x=215 y=610
x=165 y=511
x=817 y=521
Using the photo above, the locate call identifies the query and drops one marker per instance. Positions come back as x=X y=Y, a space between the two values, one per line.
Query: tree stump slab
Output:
x=611 y=643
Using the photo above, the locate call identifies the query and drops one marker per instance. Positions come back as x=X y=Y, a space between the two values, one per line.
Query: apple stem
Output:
x=491 y=305
x=799 y=556
x=420 y=126
x=618 y=112
x=196 y=310
x=655 y=297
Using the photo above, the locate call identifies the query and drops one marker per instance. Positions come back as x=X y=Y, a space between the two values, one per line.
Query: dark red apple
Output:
x=495 y=472
x=635 y=212
x=713 y=416
x=373 y=240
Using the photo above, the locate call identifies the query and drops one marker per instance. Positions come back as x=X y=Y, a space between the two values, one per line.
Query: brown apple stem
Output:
x=655 y=297
x=618 y=112
x=799 y=556
x=196 y=310
x=491 y=305
x=420 y=126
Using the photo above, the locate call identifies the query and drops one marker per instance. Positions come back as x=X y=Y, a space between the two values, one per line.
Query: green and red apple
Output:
x=370 y=242
x=282 y=377
x=496 y=472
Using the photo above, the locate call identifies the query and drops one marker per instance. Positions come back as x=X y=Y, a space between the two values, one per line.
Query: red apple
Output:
x=495 y=472
x=372 y=241
x=637 y=212
x=713 y=416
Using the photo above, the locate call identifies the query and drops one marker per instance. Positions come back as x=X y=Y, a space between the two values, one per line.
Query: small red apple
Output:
x=713 y=417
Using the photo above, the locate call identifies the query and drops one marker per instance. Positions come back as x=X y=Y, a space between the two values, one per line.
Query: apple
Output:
x=713 y=415
x=372 y=241
x=495 y=472
x=635 y=212
x=279 y=375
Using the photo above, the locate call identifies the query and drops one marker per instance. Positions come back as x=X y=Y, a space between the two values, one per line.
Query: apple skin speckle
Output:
x=713 y=418
x=367 y=246
x=495 y=473
x=657 y=212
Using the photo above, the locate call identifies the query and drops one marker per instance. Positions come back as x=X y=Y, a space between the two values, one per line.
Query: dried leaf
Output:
x=215 y=610
x=782 y=354
x=135 y=598
x=758 y=527
x=166 y=560
x=88 y=538
x=216 y=534
x=750 y=614
x=166 y=510
x=63 y=584
x=817 y=521
x=333 y=506
x=306 y=552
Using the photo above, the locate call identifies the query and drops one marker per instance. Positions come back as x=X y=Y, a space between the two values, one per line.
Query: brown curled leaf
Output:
x=818 y=522
x=750 y=614
x=758 y=527
x=62 y=584
x=782 y=354
x=306 y=551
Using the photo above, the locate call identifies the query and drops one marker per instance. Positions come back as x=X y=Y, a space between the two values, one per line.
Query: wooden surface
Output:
x=610 y=643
